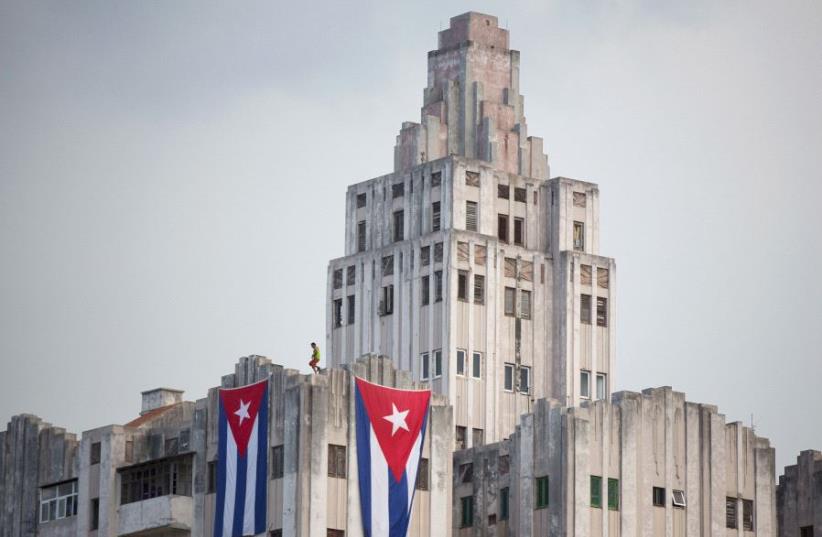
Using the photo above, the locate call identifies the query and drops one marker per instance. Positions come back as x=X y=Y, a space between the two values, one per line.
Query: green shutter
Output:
x=542 y=492
x=503 y=504
x=613 y=494
x=596 y=491
x=467 y=512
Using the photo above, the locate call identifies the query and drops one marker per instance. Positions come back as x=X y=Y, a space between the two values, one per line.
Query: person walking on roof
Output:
x=315 y=357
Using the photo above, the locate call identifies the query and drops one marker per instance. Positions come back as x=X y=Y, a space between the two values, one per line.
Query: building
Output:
x=799 y=497
x=155 y=476
x=649 y=464
x=467 y=265
x=469 y=271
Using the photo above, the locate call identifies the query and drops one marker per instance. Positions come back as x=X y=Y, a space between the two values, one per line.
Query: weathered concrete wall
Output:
x=799 y=496
x=653 y=439
x=550 y=341
x=32 y=454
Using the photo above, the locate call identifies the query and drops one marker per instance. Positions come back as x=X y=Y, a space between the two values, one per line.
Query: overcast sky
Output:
x=172 y=181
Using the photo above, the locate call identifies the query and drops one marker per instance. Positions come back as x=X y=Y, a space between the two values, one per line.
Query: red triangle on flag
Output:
x=396 y=419
x=241 y=406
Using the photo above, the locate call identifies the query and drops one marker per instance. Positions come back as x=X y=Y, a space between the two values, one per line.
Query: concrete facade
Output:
x=600 y=464
x=799 y=497
x=308 y=413
x=467 y=254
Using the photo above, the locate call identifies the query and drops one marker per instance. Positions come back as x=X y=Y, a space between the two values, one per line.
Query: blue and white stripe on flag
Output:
x=242 y=468
x=391 y=428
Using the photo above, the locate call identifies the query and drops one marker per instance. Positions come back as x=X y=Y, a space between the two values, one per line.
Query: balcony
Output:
x=164 y=515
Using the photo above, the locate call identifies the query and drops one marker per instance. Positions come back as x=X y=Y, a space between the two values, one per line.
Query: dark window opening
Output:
x=387 y=300
x=658 y=496
x=438 y=286
x=361 y=199
x=425 y=256
x=602 y=311
x=397 y=190
x=503 y=503
x=519 y=231
x=585 y=309
x=471 y=216
x=730 y=513
x=170 y=476
x=479 y=289
x=436 y=179
x=277 y=462
x=542 y=492
x=337 y=313
x=399 y=222
x=422 y=475
x=502 y=227
x=467 y=512
x=613 y=494
x=462 y=285
x=435 y=216
x=503 y=191
x=351 y=310
x=521 y=195
x=96 y=448
x=460 y=438
x=424 y=290
x=336 y=461
x=579 y=236
x=596 y=491
x=361 y=236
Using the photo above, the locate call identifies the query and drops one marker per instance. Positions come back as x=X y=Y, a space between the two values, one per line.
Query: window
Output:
x=397 y=190
x=472 y=178
x=542 y=492
x=466 y=472
x=95 y=514
x=503 y=503
x=435 y=216
x=503 y=191
x=510 y=267
x=520 y=195
x=492 y=519
x=658 y=496
x=425 y=366
x=425 y=256
x=336 y=461
x=467 y=509
x=602 y=311
x=337 y=312
x=479 y=289
x=613 y=494
x=524 y=379
x=678 y=498
x=436 y=179
x=399 y=221
x=535 y=197
x=338 y=278
x=351 y=310
x=212 y=477
x=730 y=513
x=460 y=362
x=459 y=438
x=579 y=199
x=519 y=231
x=437 y=363
x=129 y=451
x=585 y=384
x=476 y=365
x=277 y=462
x=462 y=285
x=422 y=475
x=438 y=252
x=806 y=531
x=334 y=533
x=601 y=386
x=462 y=251
x=361 y=199
x=579 y=236
x=477 y=437
x=747 y=515
x=603 y=277
x=276 y=533
x=525 y=304
x=351 y=275
x=361 y=236
x=438 y=286
x=58 y=501
x=502 y=227
x=471 y=216
x=585 y=309
x=504 y=464
x=388 y=265
x=596 y=491
x=510 y=301
x=95 y=453
x=585 y=274
x=508 y=374
x=164 y=477
x=480 y=253
x=387 y=301
x=425 y=285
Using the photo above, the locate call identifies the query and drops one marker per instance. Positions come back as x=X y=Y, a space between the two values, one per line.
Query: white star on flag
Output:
x=242 y=412
x=397 y=419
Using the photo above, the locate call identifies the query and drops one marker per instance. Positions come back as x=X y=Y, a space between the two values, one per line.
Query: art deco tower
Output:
x=467 y=265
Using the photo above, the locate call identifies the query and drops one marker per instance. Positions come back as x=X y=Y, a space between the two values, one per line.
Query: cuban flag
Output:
x=390 y=431
x=242 y=468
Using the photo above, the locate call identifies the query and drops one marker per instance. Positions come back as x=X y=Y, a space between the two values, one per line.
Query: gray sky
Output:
x=172 y=180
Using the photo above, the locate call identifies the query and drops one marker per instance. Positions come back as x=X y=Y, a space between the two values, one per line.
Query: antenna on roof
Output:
x=753 y=427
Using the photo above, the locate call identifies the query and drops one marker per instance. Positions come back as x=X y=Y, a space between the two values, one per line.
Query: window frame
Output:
x=339 y=455
x=471 y=216
x=436 y=216
x=437 y=355
x=362 y=236
x=479 y=289
x=425 y=366
x=506 y=367
x=579 y=240
x=584 y=384
x=596 y=491
x=602 y=311
x=351 y=309
x=658 y=496
x=678 y=498
x=613 y=494
x=466 y=512
x=585 y=301
x=462 y=285
x=731 y=513
x=398 y=229
x=502 y=227
x=476 y=365
x=519 y=222
x=542 y=497
x=461 y=353
x=512 y=293
x=504 y=503
x=525 y=303
x=527 y=371
x=601 y=380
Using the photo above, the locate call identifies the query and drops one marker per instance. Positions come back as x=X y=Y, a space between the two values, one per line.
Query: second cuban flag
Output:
x=390 y=431
x=242 y=471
